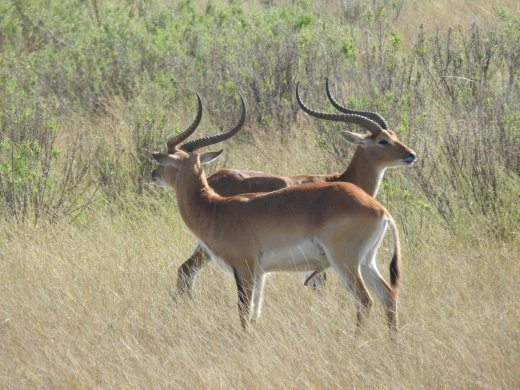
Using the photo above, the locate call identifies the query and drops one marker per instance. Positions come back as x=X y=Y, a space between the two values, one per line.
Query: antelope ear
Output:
x=354 y=138
x=166 y=159
x=208 y=157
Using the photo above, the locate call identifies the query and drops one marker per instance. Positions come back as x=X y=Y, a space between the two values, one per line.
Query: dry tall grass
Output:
x=89 y=307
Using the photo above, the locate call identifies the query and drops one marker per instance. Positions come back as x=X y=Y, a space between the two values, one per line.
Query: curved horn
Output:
x=177 y=139
x=370 y=115
x=210 y=140
x=362 y=121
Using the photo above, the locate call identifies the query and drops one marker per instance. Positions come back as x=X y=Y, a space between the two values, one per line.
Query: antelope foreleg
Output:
x=245 y=284
x=188 y=270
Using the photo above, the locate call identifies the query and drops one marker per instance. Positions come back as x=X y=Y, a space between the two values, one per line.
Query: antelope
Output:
x=299 y=228
x=375 y=152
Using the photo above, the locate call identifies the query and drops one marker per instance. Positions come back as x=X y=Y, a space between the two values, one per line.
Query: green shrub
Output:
x=452 y=95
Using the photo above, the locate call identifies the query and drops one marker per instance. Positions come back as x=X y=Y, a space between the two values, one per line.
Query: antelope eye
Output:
x=384 y=142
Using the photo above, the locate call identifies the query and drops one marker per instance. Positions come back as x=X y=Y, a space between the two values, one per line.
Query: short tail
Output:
x=395 y=272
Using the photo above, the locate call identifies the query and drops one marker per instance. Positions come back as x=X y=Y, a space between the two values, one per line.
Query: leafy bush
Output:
x=452 y=95
x=38 y=179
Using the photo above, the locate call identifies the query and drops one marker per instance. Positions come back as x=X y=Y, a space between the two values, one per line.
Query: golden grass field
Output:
x=90 y=307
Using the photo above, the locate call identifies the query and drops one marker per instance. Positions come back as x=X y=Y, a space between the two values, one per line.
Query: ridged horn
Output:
x=210 y=140
x=362 y=121
x=177 y=139
x=370 y=115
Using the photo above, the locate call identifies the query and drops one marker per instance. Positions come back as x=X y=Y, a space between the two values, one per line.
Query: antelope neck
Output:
x=194 y=198
x=363 y=173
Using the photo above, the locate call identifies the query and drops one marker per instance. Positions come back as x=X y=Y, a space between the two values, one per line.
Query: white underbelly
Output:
x=306 y=256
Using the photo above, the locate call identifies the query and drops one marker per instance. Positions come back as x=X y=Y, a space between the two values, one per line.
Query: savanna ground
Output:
x=89 y=249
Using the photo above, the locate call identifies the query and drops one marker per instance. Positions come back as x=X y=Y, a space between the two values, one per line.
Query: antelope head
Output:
x=380 y=145
x=166 y=174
